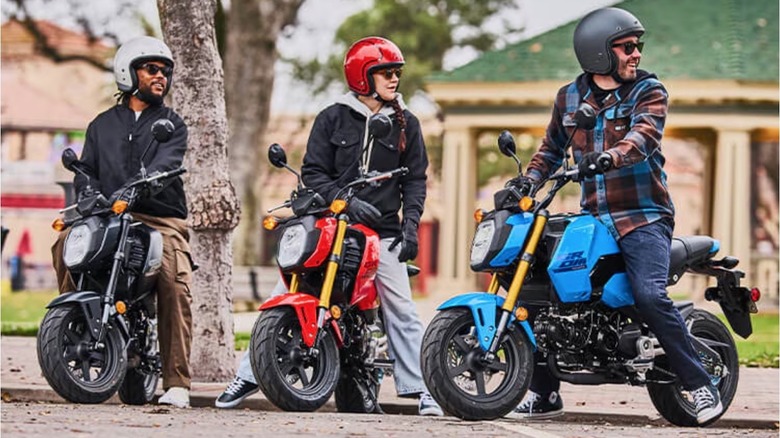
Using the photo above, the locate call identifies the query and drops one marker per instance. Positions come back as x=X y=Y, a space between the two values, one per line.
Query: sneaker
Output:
x=235 y=393
x=538 y=407
x=428 y=406
x=707 y=401
x=176 y=396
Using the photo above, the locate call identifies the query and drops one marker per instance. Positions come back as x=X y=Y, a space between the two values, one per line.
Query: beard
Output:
x=146 y=95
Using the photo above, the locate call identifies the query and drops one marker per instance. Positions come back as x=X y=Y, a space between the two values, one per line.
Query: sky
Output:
x=318 y=21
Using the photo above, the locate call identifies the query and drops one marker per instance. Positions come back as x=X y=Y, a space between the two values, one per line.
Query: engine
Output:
x=586 y=338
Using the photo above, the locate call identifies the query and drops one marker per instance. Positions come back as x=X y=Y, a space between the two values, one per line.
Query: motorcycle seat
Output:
x=689 y=251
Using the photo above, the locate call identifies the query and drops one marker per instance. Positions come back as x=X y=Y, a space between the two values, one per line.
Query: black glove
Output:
x=363 y=212
x=408 y=241
x=523 y=183
x=594 y=163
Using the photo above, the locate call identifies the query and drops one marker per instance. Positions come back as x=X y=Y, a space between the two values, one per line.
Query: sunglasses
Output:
x=389 y=72
x=629 y=46
x=153 y=69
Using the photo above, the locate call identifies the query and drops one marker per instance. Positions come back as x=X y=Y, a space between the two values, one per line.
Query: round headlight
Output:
x=76 y=245
x=291 y=246
x=481 y=243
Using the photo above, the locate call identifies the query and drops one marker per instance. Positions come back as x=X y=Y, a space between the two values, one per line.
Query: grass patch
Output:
x=762 y=348
x=242 y=340
x=21 y=312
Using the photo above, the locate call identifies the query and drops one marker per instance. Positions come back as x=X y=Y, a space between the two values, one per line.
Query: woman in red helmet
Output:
x=373 y=67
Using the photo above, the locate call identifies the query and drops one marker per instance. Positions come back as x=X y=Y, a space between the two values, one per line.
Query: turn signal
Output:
x=270 y=223
x=526 y=203
x=338 y=205
x=755 y=294
x=335 y=312
x=521 y=313
x=479 y=214
x=58 y=224
x=121 y=307
x=119 y=206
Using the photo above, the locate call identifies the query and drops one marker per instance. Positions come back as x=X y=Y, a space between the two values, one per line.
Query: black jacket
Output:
x=333 y=154
x=112 y=155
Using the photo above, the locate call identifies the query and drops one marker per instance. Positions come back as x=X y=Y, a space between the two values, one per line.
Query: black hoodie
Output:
x=333 y=154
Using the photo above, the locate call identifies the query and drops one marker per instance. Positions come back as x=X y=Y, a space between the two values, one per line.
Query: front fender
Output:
x=90 y=305
x=484 y=308
x=305 y=307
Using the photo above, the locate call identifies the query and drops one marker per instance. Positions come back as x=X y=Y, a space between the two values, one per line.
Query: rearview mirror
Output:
x=585 y=117
x=506 y=144
x=379 y=126
x=69 y=158
x=162 y=130
x=277 y=156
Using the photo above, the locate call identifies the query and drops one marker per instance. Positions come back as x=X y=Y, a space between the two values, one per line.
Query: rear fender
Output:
x=484 y=308
x=305 y=307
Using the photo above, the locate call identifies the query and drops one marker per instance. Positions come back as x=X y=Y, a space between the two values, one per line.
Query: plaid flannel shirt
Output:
x=629 y=126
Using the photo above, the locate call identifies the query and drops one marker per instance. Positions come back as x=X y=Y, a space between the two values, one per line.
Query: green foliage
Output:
x=424 y=30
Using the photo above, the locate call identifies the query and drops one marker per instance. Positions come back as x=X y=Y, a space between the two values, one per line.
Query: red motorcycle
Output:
x=324 y=335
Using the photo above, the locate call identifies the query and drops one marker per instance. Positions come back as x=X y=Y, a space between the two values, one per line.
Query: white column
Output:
x=467 y=187
x=448 y=234
x=731 y=199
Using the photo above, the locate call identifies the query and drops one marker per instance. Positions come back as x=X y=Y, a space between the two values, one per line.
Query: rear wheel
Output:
x=290 y=375
x=140 y=382
x=73 y=367
x=673 y=402
x=356 y=395
x=458 y=377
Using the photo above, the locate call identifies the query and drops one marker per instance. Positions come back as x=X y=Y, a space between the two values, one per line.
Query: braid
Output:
x=399 y=116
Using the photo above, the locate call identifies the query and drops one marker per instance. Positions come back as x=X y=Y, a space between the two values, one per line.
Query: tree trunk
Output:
x=254 y=26
x=198 y=95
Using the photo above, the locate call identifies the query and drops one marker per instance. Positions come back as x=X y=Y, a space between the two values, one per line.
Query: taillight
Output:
x=755 y=294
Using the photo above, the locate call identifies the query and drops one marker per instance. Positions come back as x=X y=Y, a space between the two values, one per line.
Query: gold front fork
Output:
x=493 y=287
x=294 y=284
x=525 y=261
x=333 y=263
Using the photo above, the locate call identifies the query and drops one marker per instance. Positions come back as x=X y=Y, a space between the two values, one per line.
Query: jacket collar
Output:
x=351 y=100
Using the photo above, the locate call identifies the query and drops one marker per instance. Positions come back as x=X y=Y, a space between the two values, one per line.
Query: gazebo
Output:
x=719 y=62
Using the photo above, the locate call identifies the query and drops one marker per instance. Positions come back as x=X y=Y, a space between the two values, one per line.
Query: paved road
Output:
x=117 y=421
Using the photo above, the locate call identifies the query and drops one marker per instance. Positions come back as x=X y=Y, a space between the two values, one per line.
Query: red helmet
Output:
x=365 y=56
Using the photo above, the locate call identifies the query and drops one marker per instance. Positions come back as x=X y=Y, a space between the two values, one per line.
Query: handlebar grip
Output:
x=605 y=161
x=176 y=172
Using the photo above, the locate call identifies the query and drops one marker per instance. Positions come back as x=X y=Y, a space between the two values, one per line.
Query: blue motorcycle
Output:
x=478 y=351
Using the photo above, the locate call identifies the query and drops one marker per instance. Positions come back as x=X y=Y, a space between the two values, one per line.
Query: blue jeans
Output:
x=402 y=323
x=646 y=253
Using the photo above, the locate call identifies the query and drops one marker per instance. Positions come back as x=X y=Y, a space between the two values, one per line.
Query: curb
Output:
x=12 y=393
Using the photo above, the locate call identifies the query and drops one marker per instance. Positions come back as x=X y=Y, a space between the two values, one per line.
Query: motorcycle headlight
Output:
x=291 y=246
x=77 y=245
x=481 y=243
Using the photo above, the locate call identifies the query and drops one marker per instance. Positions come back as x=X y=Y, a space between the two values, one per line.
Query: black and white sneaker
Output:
x=235 y=393
x=708 y=404
x=538 y=406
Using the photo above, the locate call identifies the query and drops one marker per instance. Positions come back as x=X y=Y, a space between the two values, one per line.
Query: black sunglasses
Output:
x=389 y=72
x=629 y=46
x=153 y=69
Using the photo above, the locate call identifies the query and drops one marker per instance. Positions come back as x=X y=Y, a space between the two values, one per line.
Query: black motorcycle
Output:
x=102 y=337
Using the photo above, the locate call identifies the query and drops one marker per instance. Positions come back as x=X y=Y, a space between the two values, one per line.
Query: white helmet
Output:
x=132 y=54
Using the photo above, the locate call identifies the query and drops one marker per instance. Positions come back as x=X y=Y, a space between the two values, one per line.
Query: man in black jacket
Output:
x=115 y=142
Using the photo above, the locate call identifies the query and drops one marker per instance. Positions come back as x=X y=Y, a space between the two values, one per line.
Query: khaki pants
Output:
x=173 y=296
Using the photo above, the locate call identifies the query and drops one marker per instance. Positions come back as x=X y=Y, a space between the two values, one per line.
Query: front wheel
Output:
x=77 y=370
x=673 y=402
x=461 y=380
x=290 y=374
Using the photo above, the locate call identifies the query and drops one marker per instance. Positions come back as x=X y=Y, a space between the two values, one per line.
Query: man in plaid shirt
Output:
x=623 y=184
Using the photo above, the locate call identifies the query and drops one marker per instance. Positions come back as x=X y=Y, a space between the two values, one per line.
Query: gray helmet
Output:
x=132 y=54
x=595 y=33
